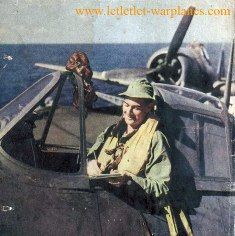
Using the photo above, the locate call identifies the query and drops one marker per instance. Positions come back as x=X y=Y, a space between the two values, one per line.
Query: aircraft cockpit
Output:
x=19 y=122
x=48 y=148
x=52 y=138
x=57 y=139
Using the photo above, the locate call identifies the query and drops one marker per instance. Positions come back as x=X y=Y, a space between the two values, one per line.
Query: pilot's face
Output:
x=135 y=111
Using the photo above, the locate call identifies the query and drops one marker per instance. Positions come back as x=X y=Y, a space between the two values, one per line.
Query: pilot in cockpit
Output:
x=137 y=150
x=135 y=147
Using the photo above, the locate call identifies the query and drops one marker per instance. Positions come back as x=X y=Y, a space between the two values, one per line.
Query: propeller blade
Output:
x=179 y=34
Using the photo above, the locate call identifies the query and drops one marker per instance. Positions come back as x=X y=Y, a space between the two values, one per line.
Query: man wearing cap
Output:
x=135 y=147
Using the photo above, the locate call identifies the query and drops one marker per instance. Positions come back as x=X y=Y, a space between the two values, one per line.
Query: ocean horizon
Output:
x=17 y=70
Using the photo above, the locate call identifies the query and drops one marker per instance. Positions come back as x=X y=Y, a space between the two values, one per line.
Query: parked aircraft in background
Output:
x=188 y=66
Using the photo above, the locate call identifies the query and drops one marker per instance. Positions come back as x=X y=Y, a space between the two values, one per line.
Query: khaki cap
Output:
x=140 y=88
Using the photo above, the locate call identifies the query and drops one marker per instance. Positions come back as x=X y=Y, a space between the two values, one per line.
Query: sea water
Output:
x=17 y=70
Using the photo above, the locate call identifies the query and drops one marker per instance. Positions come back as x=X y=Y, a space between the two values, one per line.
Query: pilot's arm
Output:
x=156 y=178
x=92 y=165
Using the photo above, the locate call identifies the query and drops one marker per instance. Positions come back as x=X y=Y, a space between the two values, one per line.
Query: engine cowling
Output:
x=189 y=68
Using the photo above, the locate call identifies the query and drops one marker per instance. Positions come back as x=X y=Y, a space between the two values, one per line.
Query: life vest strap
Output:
x=172 y=223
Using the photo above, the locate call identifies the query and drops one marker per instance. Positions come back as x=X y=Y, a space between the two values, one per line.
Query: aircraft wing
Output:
x=110 y=98
x=96 y=75
x=121 y=76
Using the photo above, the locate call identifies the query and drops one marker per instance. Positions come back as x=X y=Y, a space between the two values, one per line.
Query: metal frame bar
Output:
x=52 y=111
x=227 y=92
x=82 y=149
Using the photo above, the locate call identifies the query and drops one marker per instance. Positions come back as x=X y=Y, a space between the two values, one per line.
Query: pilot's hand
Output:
x=93 y=168
x=126 y=174
x=122 y=180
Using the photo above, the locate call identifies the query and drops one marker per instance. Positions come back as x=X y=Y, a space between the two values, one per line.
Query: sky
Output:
x=56 y=21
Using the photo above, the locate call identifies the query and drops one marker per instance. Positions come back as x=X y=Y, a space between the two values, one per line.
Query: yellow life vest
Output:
x=131 y=156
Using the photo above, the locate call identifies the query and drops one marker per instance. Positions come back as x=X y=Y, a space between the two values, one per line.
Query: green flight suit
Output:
x=153 y=181
x=155 y=178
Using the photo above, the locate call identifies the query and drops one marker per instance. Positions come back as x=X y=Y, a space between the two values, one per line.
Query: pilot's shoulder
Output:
x=159 y=136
